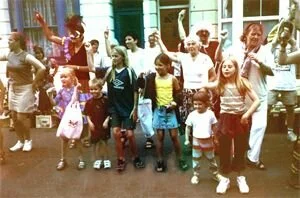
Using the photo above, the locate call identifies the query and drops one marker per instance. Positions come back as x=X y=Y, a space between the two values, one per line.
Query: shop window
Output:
x=22 y=19
x=226 y=9
x=261 y=8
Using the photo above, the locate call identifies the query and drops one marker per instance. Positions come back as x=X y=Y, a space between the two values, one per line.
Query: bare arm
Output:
x=181 y=31
x=253 y=96
x=39 y=68
x=48 y=33
x=164 y=49
x=285 y=59
x=2 y=94
x=212 y=76
x=107 y=42
x=188 y=130
x=218 y=54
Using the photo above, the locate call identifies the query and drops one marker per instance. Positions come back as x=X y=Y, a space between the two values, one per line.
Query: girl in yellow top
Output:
x=163 y=89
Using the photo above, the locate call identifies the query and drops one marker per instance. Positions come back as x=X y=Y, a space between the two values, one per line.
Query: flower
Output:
x=66 y=45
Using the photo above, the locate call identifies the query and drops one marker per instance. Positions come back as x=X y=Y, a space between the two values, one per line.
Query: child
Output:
x=68 y=93
x=96 y=110
x=123 y=99
x=163 y=89
x=203 y=123
x=233 y=122
x=2 y=94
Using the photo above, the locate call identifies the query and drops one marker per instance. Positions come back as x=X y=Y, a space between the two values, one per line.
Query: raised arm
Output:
x=48 y=33
x=218 y=54
x=107 y=42
x=164 y=49
x=181 y=31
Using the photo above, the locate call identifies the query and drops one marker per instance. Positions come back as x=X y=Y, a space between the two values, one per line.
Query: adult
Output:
x=255 y=62
x=2 y=94
x=197 y=69
x=292 y=58
x=22 y=86
x=203 y=30
x=283 y=84
x=78 y=56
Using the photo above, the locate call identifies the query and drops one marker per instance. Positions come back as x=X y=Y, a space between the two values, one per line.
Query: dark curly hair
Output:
x=74 y=23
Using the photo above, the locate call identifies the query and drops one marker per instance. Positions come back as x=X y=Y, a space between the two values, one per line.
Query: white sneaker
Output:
x=242 y=184
x=291 y=136
x=27 y=145
x=107 y=164
x=97 y=164
x=223 y=185
x=195 y=179
x=18 y=146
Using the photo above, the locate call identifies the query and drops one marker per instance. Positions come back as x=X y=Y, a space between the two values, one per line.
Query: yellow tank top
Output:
x=164 y=90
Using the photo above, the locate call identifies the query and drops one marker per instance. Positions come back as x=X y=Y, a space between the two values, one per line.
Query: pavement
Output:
x=33 y=174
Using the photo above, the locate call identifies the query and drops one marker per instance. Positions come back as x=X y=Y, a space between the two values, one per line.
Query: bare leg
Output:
x=160 y=144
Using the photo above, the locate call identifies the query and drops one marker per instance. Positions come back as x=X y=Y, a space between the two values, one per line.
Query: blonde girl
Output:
x=68 y=93
x=233 y=122
x=122 y=100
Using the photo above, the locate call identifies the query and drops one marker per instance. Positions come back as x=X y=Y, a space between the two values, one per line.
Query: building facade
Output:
x=141 y=16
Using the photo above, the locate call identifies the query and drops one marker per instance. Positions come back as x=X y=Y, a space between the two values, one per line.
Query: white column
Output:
x=150 y=9
x=237 y=20
x=98 y=15
x=204 y=10
x=4 y=32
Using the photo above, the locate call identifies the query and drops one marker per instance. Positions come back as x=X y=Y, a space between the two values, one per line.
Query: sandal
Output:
x=81 y=165
x=149 y=143
x=2 y=158
x=107 y=164
x=97 y=164
x=121 y=164
x=160 y=166
x=259 y=165
x=61 y=165
x=72 y=144
x=138 y=163
x=86 y=143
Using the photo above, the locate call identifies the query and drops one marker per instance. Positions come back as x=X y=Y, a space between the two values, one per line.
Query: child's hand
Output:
x=92 y=126
x=50 y=91
x=133 y=114
x=223 y=36
x=215 y=141
x=244 y=119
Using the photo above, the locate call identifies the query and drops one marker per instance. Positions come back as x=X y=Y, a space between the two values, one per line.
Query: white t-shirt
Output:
x=195 y=72
x=150 y=54
x=284 y=78
x=201 y=123
x=136 y=60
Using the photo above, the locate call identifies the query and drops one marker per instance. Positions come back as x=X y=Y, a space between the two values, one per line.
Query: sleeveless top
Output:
x=80 y=59
x=232 y=102
x=19 y=72
x=164 y=90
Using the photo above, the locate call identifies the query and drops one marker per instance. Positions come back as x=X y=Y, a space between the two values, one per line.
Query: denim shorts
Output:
x=163 y=119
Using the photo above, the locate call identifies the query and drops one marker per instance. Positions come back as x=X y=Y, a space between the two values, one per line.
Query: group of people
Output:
x=140 y=87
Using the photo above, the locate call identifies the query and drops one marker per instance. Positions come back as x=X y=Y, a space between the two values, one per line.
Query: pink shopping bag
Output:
x=71 y=124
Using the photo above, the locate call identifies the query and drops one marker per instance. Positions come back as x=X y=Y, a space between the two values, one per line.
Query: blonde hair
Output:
x=241 y=83
x=70 y=72
x=121 y=50
x=96 y=82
